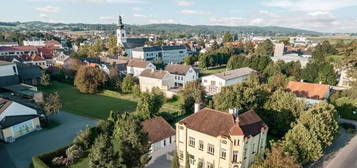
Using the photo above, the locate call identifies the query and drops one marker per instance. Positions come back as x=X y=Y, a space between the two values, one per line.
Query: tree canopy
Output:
x=89 y=79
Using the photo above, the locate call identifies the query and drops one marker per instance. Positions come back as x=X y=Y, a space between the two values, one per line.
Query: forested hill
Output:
x=155 y=28
x=205 y=29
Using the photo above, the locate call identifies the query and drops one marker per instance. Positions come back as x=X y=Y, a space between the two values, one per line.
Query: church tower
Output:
x=121 y=33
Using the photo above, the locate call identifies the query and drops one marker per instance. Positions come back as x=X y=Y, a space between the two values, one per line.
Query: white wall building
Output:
x=137 y=66
x=33 y=42
x=161 y=137
x=182 y=74
x=214 y=83
x=168 y=54
x=151 y=78
x=16 y=120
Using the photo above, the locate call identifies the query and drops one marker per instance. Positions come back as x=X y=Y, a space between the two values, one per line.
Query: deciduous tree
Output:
x=89 y=79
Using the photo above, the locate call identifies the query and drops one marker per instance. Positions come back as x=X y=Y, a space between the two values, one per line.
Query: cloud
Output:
x=114 y=1
x=141 y=16
x=43 y=15
x=188 y=12
x=49 y=9
x=136 y=9
x=311 y=5
x=318 y=13
x=185 y=3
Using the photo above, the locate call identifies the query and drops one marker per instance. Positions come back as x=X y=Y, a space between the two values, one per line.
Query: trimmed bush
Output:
x=44 y=160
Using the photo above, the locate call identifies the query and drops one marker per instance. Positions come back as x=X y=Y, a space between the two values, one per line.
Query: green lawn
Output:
x=95 y=106
x=213 y=71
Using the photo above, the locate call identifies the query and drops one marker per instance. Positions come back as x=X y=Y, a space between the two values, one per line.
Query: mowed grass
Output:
x=211 y=71
x=96 y=106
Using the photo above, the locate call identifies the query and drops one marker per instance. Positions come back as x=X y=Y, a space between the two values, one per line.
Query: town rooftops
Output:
x=232 y=74
x=217 y=123
x=158 y=129
x=151 y=73
x=309 y=90
x=5 y=63
x=138 y=63
x=179 y=69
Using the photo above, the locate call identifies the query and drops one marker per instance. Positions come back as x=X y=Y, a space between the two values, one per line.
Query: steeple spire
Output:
x=120 y=23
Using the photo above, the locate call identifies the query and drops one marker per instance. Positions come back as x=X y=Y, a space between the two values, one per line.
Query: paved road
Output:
x=342 y=154
x=19 y=153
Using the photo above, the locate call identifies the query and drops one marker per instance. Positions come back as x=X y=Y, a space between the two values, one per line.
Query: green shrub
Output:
x=86 y=137
x=44 y=160
x=74 y=152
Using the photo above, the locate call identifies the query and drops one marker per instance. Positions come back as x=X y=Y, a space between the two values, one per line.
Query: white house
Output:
x=8 y=74
x=34 y=42
x=16 y=120
x=311 y=93
x=168 y=54
x=137 y=66
x=161 y=137
x=214 y=83
x=182 y=74
x=151 y=78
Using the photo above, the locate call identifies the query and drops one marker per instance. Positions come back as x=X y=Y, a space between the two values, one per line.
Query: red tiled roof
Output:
x=158 y=129
x=217 y=123
x=47 y=52
x=308 y=90
x=52 y=43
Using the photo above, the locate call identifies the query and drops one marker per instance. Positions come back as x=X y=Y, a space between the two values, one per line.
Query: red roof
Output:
x=309 y=90
x=218 y=123
x=158 y=129
x=46 y=52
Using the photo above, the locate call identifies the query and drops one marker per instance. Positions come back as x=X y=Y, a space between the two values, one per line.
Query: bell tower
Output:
x=121 y=33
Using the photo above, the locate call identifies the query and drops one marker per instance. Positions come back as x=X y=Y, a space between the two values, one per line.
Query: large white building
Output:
x=182 y=74
x=214 y=83
x=16 y=120
x=168 y=54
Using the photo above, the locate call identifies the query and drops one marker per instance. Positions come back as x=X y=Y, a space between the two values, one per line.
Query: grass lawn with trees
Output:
x=95 y=106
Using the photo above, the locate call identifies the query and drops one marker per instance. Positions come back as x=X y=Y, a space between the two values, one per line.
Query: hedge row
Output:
x=44 y=160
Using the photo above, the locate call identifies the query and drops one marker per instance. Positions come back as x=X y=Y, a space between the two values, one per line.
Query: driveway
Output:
x=342 y=153
x=19 y=153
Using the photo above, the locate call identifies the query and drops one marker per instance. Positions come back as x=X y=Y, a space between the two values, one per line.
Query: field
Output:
x=211 y=71
x=96 y=106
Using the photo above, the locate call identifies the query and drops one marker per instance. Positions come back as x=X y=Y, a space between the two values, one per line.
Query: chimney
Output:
x=197 y=107
x=234 y=112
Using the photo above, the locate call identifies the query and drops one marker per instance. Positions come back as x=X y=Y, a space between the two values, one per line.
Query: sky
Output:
x=318 y=15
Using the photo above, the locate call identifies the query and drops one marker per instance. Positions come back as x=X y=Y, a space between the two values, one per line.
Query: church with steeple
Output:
x=128 y=43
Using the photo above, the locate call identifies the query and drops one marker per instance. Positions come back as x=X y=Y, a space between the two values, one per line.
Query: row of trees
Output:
x=94 y=50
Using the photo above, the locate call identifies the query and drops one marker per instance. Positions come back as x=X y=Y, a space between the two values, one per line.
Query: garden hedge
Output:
x=44 y=160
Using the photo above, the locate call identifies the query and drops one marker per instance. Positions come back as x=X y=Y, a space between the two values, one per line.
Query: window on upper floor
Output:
x=235 y=157
x=164 y=142
x=191 y=159
x=213 y=83
x=192 y=142
x=245 y=153
x=224 y=142
x=205 y=81
x=253 y=149
x=223 y=154
x=210 y=149
x=201 y=146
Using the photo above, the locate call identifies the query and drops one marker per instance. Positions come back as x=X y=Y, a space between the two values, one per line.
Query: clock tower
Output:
x=121 y=33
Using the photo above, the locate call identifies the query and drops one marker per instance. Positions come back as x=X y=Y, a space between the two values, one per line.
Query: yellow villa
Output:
x=215 y=139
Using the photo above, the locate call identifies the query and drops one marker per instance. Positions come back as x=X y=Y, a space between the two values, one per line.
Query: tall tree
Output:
x=89 y=79
x=227 y=37
x=133 y=142
x=265 y=49
x=113 y=49
x=149 y=105
x=45 y=79
x=128 y=83
x=102 y=153
x=192 y=93
x=276 y=158
x=52 y=104
x=282 y=109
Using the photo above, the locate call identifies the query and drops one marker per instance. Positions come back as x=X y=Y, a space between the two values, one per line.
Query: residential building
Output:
x=33 y=42
x=279 y=49
x=9 y=44
x=151 y=78
x=8 y=74
x=137 y=66
x=168 y=54
x=16 y=120
x=219 y=139
x=291 y=58
x=214 y=83
x=345 y=80
x=28 y=73
x=182 y=74
x=311 y=93
x=18 y=50
x=161 y=137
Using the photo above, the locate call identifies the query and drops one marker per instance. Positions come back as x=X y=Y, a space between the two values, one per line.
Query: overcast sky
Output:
x=318 y=15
